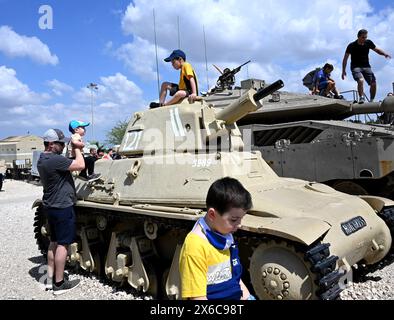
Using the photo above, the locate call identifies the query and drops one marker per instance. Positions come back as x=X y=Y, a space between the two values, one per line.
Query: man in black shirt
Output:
x=89 y=163
x=360 y=67
x=58 y=202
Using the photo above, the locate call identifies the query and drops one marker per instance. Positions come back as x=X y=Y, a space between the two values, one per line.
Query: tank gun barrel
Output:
x=247 y=103
x=262 y=93
x=387 y=105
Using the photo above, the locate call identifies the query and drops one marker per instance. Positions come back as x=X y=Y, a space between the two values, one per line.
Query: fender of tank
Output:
x=301 y=238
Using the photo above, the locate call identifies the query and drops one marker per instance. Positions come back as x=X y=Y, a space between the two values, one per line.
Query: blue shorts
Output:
x=61 y=225
x=366 y=73
x=323 y=85
x=175 y=88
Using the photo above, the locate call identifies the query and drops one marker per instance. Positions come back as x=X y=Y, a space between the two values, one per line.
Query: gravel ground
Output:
x=22 y=266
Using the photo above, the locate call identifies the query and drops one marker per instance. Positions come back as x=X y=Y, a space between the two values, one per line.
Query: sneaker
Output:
x=154 y=105
x=361 y=100
x=66 y=286
x=94 y=177
x=49 y=281
x=340 y=97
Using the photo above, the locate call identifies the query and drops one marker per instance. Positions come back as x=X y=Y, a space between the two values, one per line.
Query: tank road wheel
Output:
x=279 y=272
x=41 y=231
x=350 y=187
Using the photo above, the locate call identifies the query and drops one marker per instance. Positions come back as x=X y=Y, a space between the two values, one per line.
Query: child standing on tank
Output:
x=187 y=86
x=209 y=264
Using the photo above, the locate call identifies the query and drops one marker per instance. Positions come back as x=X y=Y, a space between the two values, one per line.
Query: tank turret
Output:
x=293 y=107
x=182 y=125
x=289 y=107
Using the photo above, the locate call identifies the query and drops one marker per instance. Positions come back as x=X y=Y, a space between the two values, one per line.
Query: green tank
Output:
x=299 y=241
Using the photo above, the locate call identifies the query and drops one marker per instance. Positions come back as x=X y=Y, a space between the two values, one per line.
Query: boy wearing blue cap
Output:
x=77 y=129
x=187 y=86
x=209 y=264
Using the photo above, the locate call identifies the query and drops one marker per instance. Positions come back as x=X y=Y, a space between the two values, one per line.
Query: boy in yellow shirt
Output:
x=187 y=86
x=209 y=264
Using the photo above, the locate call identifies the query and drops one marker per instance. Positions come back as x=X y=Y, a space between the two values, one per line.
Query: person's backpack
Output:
x=309 y=79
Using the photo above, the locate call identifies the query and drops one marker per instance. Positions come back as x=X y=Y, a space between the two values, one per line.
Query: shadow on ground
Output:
x=363 y=273
x=39 y=274
x=39 y=271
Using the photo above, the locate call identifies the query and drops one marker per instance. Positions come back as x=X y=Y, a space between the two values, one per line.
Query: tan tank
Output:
x=299 y=241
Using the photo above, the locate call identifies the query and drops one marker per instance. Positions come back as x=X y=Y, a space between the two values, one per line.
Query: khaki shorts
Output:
x=366 y=73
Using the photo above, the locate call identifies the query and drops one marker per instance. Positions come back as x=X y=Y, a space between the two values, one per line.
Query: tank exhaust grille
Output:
x=296 y=135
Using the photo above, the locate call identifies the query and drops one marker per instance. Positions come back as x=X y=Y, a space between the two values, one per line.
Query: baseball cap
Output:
x=176 y=54
x=55 y=135
x=75 y=124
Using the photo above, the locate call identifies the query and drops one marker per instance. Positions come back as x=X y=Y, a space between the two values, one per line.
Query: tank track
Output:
x=387 y=214
x=318 y=255
x=39 y=221
x=323 y=265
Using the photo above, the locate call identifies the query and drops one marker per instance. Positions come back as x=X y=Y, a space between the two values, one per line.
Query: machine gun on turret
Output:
x=227 y=78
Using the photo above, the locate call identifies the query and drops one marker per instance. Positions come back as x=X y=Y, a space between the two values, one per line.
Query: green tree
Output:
x=115 y=136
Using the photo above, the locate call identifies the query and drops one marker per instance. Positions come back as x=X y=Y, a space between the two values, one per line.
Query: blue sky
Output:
x=44 y=73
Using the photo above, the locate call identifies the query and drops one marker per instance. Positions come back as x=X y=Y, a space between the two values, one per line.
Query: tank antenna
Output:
x=206 y=59
x=179 y=34
x=157 y=61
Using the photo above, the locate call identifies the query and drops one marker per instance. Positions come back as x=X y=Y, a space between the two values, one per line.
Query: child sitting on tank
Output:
x=187 y=86
x=324 y=85
x=77 y=129
x=210 y=267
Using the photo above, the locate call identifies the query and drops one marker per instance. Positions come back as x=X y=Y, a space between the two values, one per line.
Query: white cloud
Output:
x=114 y=90
x=140 y=57
x=58 y=87
x=14 y=93
x=15 y=45
x=118 y=89
x=281 y=36
x=116 y=99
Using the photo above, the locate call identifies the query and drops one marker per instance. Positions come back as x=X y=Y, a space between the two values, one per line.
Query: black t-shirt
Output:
x=89 y=162
x=59 y=188
x=359 y=54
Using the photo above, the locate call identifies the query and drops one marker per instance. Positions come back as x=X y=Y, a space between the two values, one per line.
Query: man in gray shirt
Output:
x=58 y=201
